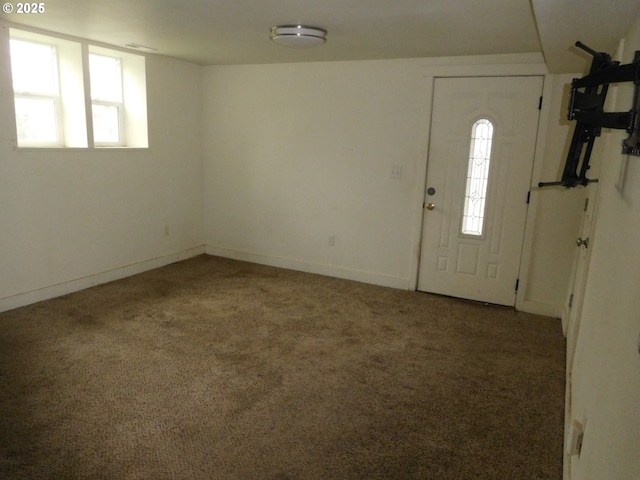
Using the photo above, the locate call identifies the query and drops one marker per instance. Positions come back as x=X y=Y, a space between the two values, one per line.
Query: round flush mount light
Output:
x=298 y=36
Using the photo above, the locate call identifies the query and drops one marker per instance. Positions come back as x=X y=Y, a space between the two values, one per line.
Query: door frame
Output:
x=546 y=112
x=543 y=124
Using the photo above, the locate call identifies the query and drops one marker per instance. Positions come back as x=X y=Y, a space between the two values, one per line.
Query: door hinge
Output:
x=540 y=103
x=517 y=284
x=571 y=301
x=528 y=196
x=586 y=204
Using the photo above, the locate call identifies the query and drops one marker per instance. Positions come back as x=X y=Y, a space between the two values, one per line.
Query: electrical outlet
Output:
x=332 y=240
x=396 y=172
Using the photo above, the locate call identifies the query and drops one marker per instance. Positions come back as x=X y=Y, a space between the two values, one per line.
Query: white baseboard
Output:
x=540 y=308
x=565 y=320
x=310 y=267
x=51 y=291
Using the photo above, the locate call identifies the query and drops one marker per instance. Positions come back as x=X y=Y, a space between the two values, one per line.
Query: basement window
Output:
x=118 y=98
x=106 y=100
x=37 y=96
x=52 y=105
x=477 y=178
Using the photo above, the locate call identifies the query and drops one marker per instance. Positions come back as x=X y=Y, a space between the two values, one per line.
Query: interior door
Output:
x=573 y=311
x=573 y=307
x=480 y=162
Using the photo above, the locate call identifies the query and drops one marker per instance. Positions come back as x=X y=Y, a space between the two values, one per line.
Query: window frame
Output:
x=54 y=97
x=74 y=105
x=110 y=103
x=463 y=231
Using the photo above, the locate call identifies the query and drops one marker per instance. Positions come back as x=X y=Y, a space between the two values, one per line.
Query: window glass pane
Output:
x=33 y=66
x=36 y=120
x=106 y=128
x=106 y=79
x=477 y=178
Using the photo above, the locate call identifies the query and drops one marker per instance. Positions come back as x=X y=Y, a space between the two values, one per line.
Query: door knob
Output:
x=583 y=241
x=431 y=206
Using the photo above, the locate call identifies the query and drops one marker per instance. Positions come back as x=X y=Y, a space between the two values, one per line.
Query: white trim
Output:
x=118 y=104
x=532 y=208
x=566 y=458
x=506 y=65
x=310 y=267
x=421 y=191
x=477 y=70
x=565 y=315
x=54 y=95
x=539 y=308
x=51 y=291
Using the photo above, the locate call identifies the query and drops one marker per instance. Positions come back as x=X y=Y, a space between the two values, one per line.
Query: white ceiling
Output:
x=224 y=32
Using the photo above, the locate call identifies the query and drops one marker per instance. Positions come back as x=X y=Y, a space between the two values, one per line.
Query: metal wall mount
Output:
x=586 y=107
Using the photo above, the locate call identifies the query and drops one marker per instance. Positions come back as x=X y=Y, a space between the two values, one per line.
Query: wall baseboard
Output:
x=539 y=308
x=57 y=290
x=310 y=267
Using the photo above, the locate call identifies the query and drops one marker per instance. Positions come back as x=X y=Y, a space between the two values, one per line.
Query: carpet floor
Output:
x=218 y=369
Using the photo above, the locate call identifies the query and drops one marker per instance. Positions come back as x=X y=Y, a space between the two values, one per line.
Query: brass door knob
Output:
x=431 y=206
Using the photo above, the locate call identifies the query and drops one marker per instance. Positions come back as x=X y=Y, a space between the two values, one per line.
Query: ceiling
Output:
x=228 y=32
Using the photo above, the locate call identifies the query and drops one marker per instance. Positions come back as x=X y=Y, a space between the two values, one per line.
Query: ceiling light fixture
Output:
x=298 y=36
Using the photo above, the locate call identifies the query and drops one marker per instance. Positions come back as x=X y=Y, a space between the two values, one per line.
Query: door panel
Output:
x=478 y=267
x=573 y=309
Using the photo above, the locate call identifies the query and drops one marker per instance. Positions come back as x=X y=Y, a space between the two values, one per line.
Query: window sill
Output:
x=80 y=149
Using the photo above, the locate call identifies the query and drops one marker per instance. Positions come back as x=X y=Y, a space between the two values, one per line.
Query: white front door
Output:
x=477 y=188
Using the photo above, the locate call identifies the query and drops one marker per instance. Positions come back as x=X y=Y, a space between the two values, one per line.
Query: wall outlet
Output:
x=332 y=240
x=396 y=173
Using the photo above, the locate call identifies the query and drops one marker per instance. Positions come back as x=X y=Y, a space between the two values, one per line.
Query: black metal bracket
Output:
x=586 y=107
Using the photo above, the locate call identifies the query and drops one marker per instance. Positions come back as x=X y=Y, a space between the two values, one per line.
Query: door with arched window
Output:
x=480 y=161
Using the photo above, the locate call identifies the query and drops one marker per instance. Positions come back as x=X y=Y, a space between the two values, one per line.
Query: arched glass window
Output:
x=477 y=178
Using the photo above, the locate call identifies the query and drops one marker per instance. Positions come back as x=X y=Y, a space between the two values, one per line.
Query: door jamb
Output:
x=542 y=127
x=532 y=209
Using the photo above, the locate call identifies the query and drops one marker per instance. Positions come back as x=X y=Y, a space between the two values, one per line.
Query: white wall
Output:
x=296 y=153
x=292 y=154
x=606 y=374
x=71 y=218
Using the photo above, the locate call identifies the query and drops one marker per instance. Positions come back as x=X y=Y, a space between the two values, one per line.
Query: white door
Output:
x=573 y=311
x=477 y=189
x=573 y=307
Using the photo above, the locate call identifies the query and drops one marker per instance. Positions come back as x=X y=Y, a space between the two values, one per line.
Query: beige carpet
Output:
x=218 y=369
